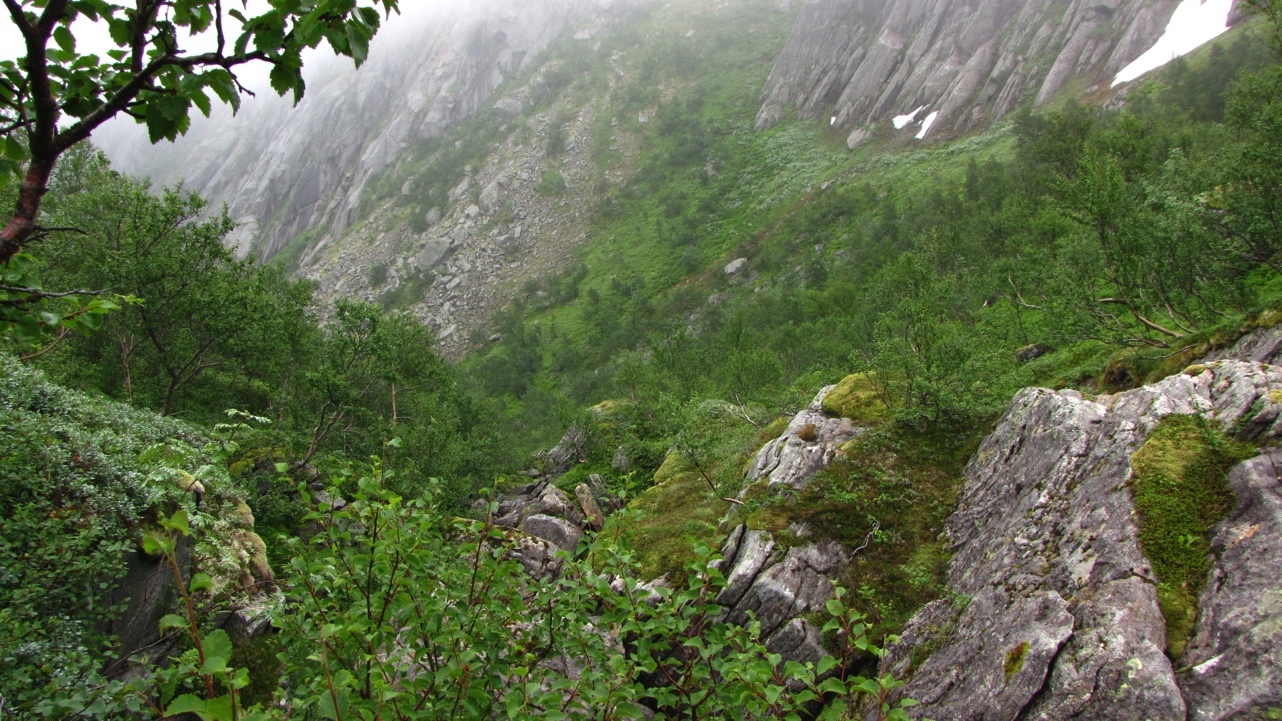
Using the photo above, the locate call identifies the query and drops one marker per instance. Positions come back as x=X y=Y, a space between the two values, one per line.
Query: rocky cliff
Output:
x=283 y=172
x=1051 y=607
x=964 y=64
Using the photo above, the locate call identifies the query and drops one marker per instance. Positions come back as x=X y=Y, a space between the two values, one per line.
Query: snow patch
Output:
x=925 y=124
x=1194 y=23
x=901 y=121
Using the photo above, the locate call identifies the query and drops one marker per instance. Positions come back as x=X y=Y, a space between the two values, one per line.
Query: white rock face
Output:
x=812 y=440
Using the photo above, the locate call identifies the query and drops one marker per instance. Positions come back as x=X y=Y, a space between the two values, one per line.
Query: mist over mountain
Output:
x=284 y=170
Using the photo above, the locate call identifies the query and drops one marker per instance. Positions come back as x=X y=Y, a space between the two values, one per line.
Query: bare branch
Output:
x=35 y=295
x=1138 y=316
x=1020 y=299
x=62 y=334
x=876 y=526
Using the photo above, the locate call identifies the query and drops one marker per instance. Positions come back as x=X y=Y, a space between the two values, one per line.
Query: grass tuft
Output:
x=1015 y=659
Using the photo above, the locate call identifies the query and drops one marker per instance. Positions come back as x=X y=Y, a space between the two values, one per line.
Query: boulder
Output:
x=560 y=532
x=148 y=592
x=620 y=462
x=812 y=440
x=509 y=107
x=489 y=199
x=591 y=509
x=735 y=266
x=433 y=253
x=564 y=454
x=1063 y=620
x=1032 y=352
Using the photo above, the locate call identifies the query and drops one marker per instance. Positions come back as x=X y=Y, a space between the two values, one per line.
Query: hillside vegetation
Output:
x=727 y=277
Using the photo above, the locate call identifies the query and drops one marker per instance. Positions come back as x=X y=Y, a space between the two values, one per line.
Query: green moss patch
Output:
x=1015 y=659
x=855 y=397
x=893 y=492
x=677 y=513
x=682 y=508
x=1181 y=492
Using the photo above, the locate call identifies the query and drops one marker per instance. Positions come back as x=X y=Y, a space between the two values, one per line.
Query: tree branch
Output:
x=35 y=295
x=19 y=18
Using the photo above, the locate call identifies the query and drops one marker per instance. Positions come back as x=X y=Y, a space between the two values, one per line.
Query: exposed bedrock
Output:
x=972 y=62
x=810 y=442
x=1053 y=610
x=780 y=586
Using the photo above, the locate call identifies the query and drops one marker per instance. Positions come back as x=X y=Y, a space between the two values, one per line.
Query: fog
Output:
x=94 y=37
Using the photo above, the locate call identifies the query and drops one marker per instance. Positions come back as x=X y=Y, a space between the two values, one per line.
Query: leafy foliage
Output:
x=81 y=476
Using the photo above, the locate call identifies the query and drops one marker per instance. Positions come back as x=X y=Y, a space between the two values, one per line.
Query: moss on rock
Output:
x=856 y=398
x=1180 y=489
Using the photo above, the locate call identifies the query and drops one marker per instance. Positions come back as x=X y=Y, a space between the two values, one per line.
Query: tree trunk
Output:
x=23 y=223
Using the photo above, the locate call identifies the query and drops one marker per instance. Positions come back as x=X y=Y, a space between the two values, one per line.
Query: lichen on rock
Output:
x=1046 y=545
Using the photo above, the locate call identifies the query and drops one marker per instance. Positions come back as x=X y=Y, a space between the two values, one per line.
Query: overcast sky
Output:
x=94 y=37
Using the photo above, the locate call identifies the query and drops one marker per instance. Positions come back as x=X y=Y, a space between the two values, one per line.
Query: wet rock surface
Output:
x=1053 y=612
x=1234 y=659
x=1260 y=346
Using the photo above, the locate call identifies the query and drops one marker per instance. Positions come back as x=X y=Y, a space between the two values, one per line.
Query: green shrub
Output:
x=551 y=183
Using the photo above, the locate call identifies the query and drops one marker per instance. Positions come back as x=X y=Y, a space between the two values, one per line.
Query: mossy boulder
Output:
x=856 y=398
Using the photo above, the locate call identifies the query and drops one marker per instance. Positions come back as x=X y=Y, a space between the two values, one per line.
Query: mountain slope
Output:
x=284 y=172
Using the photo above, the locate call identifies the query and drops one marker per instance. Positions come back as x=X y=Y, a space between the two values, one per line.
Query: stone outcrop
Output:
x=1235 y=656
x=812 y=440
x=147 y=593
x=1053 y=610
x=864 y=61
x=1260 y=346
x=779 y=586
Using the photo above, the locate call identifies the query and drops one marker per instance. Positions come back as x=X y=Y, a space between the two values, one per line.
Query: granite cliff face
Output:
x=283 y=172
x=972 y=62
